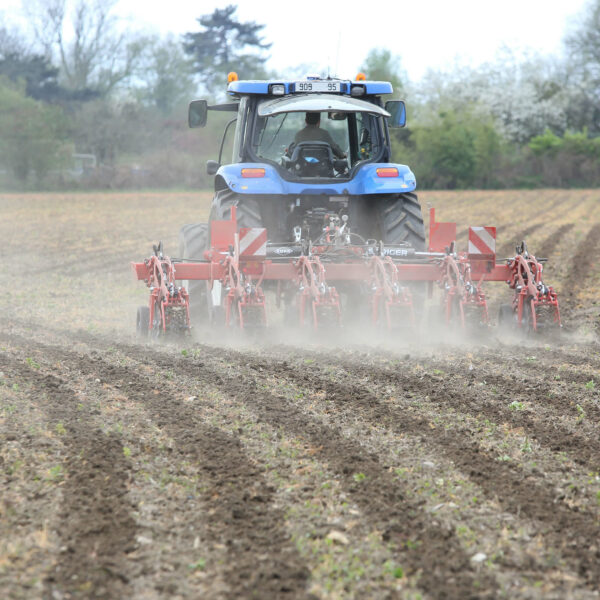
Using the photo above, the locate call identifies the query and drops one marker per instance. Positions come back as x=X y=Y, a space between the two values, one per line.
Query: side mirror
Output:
x=397 y=111
x=197 y=113
x=212 y=166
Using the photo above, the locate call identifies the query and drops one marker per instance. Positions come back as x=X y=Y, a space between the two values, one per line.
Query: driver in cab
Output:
x=313 y=133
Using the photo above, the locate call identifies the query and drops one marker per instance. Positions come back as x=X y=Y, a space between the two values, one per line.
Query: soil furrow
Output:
x=581 y=265
x=466 y=396
x=547 y=246
x=427 y=547
x=508 y=248
x=96 y=528
x=574 y=533
x=238 y=507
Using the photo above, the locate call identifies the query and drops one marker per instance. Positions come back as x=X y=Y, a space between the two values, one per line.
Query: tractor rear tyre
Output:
x=248 y=212
x=193 y=241
x=401 y=221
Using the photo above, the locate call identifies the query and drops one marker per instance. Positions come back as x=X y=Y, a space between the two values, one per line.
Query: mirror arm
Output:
x=224 y=136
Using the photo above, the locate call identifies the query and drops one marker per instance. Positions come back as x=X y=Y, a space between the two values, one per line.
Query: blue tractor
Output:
x=304 y=152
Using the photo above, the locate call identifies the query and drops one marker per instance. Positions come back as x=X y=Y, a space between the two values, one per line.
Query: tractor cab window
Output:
x=317 y=144
x=366 y=133
x=275 y=137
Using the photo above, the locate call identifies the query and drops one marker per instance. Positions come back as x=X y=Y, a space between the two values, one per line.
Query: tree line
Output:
x=88 y=101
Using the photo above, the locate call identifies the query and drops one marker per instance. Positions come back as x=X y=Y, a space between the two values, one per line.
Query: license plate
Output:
x=317 y=86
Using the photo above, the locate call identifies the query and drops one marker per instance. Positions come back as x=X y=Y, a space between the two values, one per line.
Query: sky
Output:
x=335 y=37
x=338 y=35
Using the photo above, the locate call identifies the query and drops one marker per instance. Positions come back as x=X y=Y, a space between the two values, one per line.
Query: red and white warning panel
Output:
x=482 y=243
x=253 y=242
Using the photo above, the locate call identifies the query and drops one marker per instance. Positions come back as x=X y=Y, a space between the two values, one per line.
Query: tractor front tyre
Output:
x=193 y=241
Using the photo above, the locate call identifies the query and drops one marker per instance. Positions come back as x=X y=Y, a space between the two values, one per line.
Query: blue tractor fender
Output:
x=366 y=181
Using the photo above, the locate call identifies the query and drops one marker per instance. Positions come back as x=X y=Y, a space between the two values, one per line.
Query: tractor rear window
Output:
x=274 y=136
x=354 y=137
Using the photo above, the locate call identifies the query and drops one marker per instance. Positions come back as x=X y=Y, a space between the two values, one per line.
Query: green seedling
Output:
x=590 y=385
x=198 y=565
x=580 y=413
x=398 y=572
x=184 y=353
x=394 y=570
x=55 y=473
x=126 y=452
x=60 y=429
x=32 y=363
x=358 y=477
x=515 y=405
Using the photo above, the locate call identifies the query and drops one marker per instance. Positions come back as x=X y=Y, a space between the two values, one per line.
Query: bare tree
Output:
x=84 y=38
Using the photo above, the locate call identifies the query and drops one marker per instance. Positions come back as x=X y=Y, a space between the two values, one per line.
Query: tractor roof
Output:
x=316 y=103
x=278 y=87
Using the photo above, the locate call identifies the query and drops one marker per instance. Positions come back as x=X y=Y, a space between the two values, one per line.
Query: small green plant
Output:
x=438 y=372
x=531 y=359
x=395 y=570
x=398 y=572
x=358 y=477
x=515 y=405
x=60 y=429
x=184 y=353
x=504 y=458
x=126 y=451
x=598 y=497
x=15 y=387
x=580 y=413
x=55 y=473
x=526 y=447
x=590 y=385
x=198 y=565
x=32 y=363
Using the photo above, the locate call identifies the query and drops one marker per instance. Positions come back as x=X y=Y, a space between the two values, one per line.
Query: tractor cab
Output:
x=316 y=129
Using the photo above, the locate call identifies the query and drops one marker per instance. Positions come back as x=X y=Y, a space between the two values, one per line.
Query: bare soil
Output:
x=266 y=468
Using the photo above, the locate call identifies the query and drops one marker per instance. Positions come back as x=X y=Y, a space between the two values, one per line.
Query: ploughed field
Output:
x=334 y=469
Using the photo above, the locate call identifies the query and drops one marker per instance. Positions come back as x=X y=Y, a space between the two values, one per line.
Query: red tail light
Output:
x=387 y=172
x=253 y=173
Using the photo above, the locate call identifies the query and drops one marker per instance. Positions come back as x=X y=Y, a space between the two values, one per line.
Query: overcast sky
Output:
x=425 y=34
